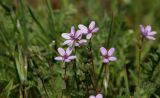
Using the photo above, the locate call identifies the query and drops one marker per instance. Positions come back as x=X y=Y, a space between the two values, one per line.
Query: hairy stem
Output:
x=139 y=59
x=45 y=90
x=75 y=69
x=92 y=67
x=126 y=81
x=106 y=71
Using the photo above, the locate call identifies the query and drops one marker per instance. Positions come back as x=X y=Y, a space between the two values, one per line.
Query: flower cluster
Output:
x=74 y=39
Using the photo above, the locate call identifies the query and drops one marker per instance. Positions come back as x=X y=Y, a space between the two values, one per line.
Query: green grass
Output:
x=30 y=36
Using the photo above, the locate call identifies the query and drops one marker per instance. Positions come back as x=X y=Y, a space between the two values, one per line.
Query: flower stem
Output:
x=106 y=71
x=139 y=59
x=92 y=66
x=126 y=81
x=75 y=69
x=64 y=77
x=45 y=90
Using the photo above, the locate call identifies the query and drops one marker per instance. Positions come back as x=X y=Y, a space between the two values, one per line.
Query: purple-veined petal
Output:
x=83 y=28
x=78 y=34
x=103 y=51
x=95 y=29
x=89 y=36
x=92 y=96
x=71 y=43
x=69 y=51
x=77 y=44
x=67 y=42
x=150 y=37
x=72 y=30
x=152 y=33
x=112 y=58
x=148 y=28
x=72 y=57
x=105 y=60
x=99 y=96
x=61 y=51
x=58 y=58
x=142 y=28
x=66 y=35
x=110 y=51
x=82 y=41
x=92 y=25
x=67 y=60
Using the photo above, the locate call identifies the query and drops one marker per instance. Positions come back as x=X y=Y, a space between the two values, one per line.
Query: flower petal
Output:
x=110 y=52
x=95 y=29
x=58 y=58
x=67 y=60
x=92 y=96
x=148 y=28
x=73 y=30
x=150 y=37
x=69 y=51
x=77 y=44
x=105 y=60
x=82 y=41
x=103 y=51
x=89 y=36
x=78 y=34
x=83 y=28
x=61 y=51
x=66 y=35
x=71 y=43
x=152 y=33
x=72 y=57
x=142 y=28
x=99 y=96
x=67 y=42
x=92 y=25
x=112 y=58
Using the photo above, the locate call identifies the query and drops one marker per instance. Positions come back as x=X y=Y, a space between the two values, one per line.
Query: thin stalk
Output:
x=86 y=84
x=101 y=71
x=126 y=82
x=36 y=20
x=64 y=77
x=45 y=90
x=92 y=66
x=24 y=91
x=110 y=31
x=139 y=59
x=106 y=71
x=23 y=21
x=51 y=17
x=75 y=69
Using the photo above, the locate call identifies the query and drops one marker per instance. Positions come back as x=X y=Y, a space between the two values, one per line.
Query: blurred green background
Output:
x=30 y=32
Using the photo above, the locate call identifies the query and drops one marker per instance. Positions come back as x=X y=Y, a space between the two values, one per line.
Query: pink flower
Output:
x=107 y=55
x=147 y=33
x=97 y=96
x=89 y=31
x=73 y=38
x=65 y=55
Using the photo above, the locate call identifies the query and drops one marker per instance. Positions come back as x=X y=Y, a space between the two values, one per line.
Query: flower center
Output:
x=65 y=56
x=89 y=30
x=107 y=56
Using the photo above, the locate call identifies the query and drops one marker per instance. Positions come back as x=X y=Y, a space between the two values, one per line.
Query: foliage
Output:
x=30 y=36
